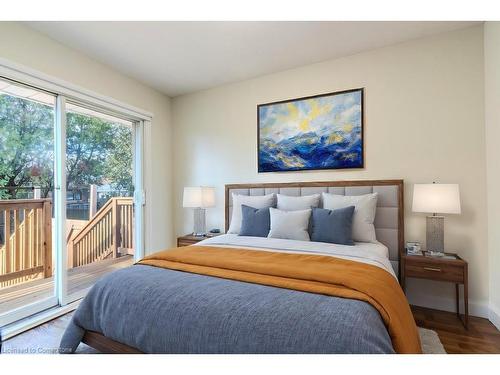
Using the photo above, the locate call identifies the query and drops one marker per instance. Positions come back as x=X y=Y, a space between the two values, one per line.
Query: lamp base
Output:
x=435 y=234
x=200 y=227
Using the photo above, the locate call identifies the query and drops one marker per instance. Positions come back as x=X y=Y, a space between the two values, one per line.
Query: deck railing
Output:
x=26 y=251
x=26 y=246
x=109 y=234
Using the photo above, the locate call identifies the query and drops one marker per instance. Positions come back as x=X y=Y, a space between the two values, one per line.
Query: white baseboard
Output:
x=448 y=304
x=441 y=296
x=494 y=316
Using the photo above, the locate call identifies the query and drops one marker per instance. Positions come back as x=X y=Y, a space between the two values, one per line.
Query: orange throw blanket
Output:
x=308 y=273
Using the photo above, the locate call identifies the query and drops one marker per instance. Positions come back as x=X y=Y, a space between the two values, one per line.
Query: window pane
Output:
x=26 y=191
x=99 y=183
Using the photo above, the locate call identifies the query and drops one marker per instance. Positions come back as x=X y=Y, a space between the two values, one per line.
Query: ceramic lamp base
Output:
x=435 y=234
x=200 y=227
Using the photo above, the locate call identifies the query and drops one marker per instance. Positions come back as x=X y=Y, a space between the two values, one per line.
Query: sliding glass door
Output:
x=71 y=197
x=99 y=196
x=27 y=271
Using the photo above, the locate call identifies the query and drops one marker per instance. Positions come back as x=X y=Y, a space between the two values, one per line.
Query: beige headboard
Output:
x=389 y=220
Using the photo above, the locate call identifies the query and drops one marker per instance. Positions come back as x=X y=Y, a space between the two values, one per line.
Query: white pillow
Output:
x=255 y=201
x=288 y=203
x=292 y=225
x=365 y=207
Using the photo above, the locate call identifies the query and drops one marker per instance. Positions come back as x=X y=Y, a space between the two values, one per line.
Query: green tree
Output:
x=89 y=143
x=118 y=168
x=26 y=144
x=97 y=151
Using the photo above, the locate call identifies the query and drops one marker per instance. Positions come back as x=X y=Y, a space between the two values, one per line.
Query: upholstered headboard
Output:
x=389 y=220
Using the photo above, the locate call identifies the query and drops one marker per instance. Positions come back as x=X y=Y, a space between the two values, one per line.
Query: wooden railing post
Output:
x=71 y=251
x=47 y=238
x=17 y=252
x=115 y=217
x=70 y=248
x=26 y=245
x=92 y=201
x=6 y=240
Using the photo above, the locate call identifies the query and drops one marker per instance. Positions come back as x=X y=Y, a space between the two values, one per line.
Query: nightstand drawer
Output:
x=435 y=271
x=189 y=239
x=182 y=242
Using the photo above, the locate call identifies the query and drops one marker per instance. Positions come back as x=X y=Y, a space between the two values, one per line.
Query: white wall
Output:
x=424 y=122
x=25 y=46
x=492 y=121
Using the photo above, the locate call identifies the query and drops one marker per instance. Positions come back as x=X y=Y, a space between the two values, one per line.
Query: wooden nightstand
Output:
x=189 y=239
x=439 y=269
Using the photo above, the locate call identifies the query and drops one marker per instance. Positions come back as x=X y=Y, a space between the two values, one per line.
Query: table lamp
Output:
x=436 y=198
x=199 y=198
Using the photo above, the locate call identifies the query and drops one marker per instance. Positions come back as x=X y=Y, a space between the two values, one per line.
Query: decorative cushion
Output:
x=255 y=201
x=365 y=207
x=292 y=225
x=333 y=226
x=289 y=203
x=255 y=221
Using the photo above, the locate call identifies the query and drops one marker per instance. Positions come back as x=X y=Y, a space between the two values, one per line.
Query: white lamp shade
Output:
x=198 y=196
x=436 y=198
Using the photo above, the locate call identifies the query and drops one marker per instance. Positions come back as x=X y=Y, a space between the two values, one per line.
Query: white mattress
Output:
x=375 y=254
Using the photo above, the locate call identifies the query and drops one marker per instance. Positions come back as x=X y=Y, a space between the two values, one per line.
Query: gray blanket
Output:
x=158 y=310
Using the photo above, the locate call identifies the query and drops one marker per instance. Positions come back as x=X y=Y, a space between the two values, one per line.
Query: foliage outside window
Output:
x=97 y=151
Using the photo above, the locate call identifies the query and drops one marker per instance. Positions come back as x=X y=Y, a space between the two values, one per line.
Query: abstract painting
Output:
x=315 y=132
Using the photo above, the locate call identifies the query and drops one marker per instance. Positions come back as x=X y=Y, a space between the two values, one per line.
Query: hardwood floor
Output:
x=481 y=337
x=43 y=339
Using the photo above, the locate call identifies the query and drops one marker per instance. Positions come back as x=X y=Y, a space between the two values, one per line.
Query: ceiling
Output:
x=182 y=57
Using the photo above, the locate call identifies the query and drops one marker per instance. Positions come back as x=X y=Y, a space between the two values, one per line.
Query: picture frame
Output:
x=318 y=132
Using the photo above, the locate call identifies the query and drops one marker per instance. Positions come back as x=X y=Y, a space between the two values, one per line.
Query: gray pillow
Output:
x=291 y=225
x=255 y=222
x=333 y=226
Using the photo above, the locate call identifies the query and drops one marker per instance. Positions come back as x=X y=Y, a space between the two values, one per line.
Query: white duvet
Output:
x=375 y=254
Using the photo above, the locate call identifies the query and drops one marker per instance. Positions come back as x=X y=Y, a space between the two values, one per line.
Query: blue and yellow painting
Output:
x=322 y=132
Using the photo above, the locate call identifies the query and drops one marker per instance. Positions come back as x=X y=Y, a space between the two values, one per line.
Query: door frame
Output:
x=63 y=91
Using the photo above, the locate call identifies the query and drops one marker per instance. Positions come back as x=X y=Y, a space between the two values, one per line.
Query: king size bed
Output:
x=243 y=294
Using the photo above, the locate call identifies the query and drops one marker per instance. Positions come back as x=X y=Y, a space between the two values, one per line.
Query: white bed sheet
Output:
x=376 y=254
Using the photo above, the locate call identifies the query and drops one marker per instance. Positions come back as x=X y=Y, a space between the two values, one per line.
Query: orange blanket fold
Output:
x=308 y=273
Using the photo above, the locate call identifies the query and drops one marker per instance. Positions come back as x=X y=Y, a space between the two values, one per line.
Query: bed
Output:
x=237 y=294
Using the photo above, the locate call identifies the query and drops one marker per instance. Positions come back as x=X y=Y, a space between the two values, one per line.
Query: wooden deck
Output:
x=79 y=278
